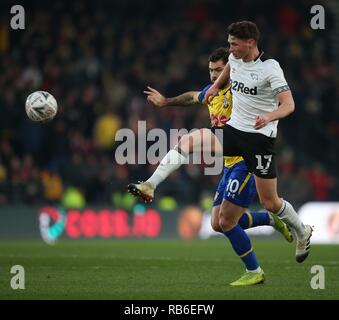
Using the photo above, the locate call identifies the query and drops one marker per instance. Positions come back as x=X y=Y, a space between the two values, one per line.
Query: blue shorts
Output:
x=237 y=185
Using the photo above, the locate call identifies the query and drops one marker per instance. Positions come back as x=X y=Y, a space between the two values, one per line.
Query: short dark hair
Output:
x=244 y=30
x=219 y=54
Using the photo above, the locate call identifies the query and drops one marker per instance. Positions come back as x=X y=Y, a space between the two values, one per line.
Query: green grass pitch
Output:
x=161 y=269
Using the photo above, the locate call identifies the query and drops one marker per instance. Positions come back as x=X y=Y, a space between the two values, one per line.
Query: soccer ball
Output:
x=41 y=106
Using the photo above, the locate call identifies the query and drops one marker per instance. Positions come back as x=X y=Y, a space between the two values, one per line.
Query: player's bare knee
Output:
x=270 y=205
x=215 y=225
x=226 y=223
x=185 y=143
x=215 y=219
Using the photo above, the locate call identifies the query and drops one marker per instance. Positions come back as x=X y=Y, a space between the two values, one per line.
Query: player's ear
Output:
x=251 y=42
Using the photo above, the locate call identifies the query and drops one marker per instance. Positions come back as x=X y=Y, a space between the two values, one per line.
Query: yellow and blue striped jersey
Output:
x=220 y=109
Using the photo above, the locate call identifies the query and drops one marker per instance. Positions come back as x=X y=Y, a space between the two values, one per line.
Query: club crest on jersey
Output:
x=225 y=104
x=254 y=76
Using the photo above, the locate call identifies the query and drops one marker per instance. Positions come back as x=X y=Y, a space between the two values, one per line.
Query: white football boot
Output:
x=304 y=245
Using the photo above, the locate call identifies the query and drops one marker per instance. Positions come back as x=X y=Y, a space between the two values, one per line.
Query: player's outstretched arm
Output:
x=185 y=99
x=220 y=83
x=286 y=107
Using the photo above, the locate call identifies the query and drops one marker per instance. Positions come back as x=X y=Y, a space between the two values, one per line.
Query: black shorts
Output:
x=256 y=149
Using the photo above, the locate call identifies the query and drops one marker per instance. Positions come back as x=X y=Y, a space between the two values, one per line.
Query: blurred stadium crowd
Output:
x=96 y=58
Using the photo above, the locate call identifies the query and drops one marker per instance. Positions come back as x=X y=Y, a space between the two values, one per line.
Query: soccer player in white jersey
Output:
x=261 y=97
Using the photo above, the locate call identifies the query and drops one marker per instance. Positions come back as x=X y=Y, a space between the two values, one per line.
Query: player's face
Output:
x=215 y=69
x=239 y=47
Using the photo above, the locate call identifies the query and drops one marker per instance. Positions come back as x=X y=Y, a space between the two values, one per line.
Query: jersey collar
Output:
x=259 y=56
x=255 y=60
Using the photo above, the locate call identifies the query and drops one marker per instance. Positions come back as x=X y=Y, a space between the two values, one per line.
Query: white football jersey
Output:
x=254 y=87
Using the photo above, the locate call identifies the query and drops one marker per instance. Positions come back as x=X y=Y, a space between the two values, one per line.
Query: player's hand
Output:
x=155 y=97
x=261 y=121
x=211 y=93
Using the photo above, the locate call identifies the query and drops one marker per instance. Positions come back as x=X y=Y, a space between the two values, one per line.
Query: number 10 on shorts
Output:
x=260 y=166
x=232 y=187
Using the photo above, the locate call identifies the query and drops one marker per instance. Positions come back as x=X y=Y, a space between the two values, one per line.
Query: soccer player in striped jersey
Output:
x=237 y=185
